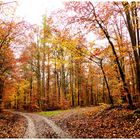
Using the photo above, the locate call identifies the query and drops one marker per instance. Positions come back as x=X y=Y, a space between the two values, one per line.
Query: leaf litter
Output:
x=98 y=122
x=12 y=125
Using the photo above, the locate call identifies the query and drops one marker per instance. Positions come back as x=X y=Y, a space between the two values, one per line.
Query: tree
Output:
x=7 y=65
x=89 y=14
x=132 y=23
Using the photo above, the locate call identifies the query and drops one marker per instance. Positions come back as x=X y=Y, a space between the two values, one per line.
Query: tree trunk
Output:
x=133 y=29
x=71 y=83
x=122 y=75
x=43 y=76
x=48 y=77
x=38 y=75
x=91 y=92
x=132 y=73
x=30 y=93
x=107 y=85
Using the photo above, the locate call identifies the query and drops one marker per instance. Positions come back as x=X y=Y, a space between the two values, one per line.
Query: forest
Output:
x=74 y=75
x=55 y=66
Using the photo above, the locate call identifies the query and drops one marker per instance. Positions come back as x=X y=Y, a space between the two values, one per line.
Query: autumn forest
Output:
x=86 y=54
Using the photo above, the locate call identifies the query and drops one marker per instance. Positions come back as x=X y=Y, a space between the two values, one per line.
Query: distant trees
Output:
x=7 y=63
x=59 y=68
x=10 y=33
x=88 y=14
x=131 y=11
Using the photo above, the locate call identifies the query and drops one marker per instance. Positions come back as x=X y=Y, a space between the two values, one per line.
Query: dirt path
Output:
x=56 y=129
x=88 y=122
x=38 y=126
x=42 y=127
x=30 y=131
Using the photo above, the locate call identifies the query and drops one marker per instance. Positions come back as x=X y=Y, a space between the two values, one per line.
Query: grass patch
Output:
x=52 y=113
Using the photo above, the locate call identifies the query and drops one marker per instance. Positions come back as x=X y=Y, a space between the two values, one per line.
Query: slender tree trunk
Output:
x=87 y=94
x=91 y=92
x=71 y=83
x=38 y=74
x=58 y=83
x=133 y=29
x=104 y=98
x=107 y=85
x=43 y=76
x=122 y=75
x=63 y=82
x=48 y=77
x=138 y=45
x=78 y=98
x=30 y=93
x=132 y=73
x=125 y=86
x=78 y=83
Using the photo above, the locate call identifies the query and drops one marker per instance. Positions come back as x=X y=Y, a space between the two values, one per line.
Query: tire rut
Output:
x=42 y=127
x=56 y=129
x=30 y=131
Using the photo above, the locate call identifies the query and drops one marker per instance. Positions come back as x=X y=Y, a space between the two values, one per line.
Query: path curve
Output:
x=55 y=128
x=31 y=131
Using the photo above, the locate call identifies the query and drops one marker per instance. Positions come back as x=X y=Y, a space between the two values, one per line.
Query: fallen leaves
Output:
x=12 y=125
x=108 y=123
x=89 y=122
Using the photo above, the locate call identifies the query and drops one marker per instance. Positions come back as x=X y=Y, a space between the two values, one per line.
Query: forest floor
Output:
x=12 y=125
x=87 y=122
x=29 y=125
x=100 y=122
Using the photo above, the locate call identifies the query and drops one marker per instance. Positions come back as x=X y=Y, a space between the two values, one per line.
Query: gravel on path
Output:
x=30 y=131
x=55 y=128
x=42 y=127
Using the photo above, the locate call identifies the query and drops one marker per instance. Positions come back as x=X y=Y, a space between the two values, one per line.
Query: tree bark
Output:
x=134 y=36
x=122 y=75
x=71 y=83
x=38 y=75
x=107 y=85
x=48 y=77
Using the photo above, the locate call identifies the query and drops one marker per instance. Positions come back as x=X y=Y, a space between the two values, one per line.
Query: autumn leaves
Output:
x=59 y=68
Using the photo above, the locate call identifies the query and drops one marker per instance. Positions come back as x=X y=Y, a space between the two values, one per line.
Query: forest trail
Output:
x=101 y=121
x=41 y=127
x=30 y=131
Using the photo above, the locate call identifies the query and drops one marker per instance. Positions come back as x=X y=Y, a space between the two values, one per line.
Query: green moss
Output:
x=52 y=113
